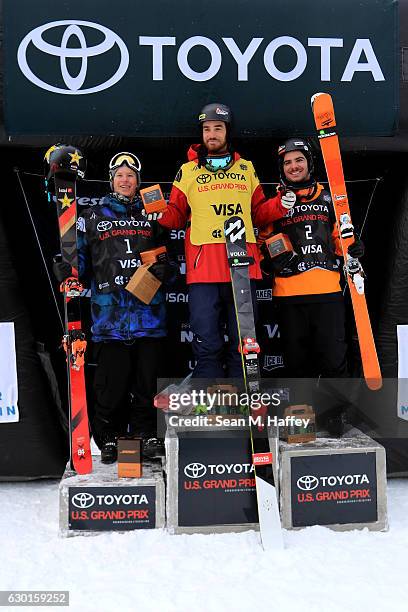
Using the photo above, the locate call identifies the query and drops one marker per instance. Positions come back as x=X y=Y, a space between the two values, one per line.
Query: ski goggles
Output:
x=129 y=159
x=213 y=164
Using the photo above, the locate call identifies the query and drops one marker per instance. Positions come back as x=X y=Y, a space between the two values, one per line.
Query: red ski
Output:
x=323 y=111
x=65 y=165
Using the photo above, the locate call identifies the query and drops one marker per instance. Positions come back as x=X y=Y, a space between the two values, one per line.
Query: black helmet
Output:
x=296 y=144
x=124 y=158
x=215 y=112
x=64 y=159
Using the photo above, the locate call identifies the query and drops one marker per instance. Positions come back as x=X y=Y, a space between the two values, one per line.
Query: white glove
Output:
x=152 y=216
x=288 y=199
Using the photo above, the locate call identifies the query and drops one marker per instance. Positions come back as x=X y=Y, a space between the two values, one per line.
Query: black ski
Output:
x=264 y=450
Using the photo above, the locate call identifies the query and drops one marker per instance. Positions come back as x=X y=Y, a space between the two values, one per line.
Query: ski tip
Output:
x=276 y=545
x=161 y=401
x=84 y=465
x=374 y=384
x=82 y=470
x=323 y=111
x=316 y=95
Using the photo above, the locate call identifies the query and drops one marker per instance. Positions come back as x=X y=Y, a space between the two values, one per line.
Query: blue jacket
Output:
x=117 y=314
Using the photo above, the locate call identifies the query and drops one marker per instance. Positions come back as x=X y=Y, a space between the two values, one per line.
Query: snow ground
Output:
x=151 y=570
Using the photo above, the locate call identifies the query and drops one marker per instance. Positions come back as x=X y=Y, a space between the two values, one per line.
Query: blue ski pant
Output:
x=212 y=317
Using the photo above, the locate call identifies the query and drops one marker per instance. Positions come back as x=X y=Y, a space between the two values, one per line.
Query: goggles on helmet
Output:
x=213 y=164
x=125 y=158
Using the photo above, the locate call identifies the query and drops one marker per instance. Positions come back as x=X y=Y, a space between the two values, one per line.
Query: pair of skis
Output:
x=73 y=341
x=325 y=120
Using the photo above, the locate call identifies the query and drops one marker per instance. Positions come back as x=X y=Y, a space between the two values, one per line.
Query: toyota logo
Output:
x=83 y=500
x=203 y=178
x=195 y=470
x=72 y=29
x=104 y=226
x=307 y=483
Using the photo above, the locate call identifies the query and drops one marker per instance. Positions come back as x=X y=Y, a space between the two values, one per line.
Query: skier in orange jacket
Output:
x=306 y=287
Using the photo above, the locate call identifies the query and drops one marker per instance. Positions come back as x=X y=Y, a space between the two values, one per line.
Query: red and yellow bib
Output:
x=213 y=197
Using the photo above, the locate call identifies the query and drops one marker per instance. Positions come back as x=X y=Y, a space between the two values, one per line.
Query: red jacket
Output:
x=207 y=263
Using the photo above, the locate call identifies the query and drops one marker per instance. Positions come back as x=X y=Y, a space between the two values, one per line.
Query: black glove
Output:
x=266 y=266
x=276 y=265
x=61 y=269
x=163 y=270
x=357 y=248
x=289 y=259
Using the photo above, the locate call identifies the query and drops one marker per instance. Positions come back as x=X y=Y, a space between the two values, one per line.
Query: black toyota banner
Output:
x=112 y=508
x=216 y=481
x=82 y=68
x=334 y=489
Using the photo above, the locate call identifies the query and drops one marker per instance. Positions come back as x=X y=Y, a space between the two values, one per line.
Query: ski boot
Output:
x=335 y=424
x=109 y=449
x=153 y=448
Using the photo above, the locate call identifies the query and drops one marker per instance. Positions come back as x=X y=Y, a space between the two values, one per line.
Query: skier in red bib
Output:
x=306 y=288
x=216 y=183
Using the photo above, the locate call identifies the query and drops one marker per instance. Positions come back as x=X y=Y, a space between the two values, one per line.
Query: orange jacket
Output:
x=314 y=282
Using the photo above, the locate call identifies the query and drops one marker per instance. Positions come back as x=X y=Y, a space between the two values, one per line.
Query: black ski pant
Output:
x=313 y=338
x=314 y=345
x=125 y=384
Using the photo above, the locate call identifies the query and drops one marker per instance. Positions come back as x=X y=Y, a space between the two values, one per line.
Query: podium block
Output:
x=210 y=481
x=338 y=483
x=101 y=501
